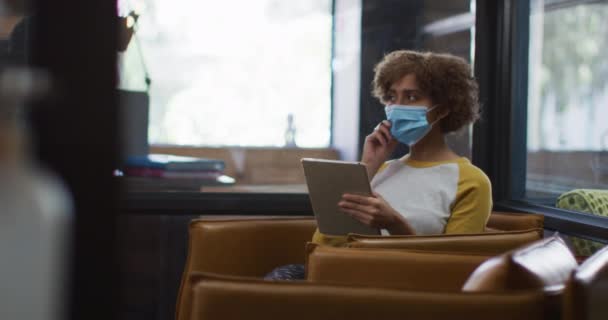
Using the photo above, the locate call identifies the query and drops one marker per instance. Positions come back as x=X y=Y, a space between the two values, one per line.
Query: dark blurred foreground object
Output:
x=34 y=216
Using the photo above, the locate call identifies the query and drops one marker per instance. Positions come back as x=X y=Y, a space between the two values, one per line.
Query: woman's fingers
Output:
x=364 y=200
x=377 y=195
x=385 y=129
x=378 y=136
x=361 y=217
x=356 y=206
x=382 y=133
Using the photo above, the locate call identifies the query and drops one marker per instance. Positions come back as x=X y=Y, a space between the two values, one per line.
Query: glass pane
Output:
x=232 y=73
x=450 y=27
x=567 y=99
x=430 y=25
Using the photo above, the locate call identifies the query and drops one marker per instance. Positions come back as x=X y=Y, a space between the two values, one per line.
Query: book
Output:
x=174 y=163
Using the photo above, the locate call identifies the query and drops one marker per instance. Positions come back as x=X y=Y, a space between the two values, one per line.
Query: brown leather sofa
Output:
x=253 y=247
x=514 y=285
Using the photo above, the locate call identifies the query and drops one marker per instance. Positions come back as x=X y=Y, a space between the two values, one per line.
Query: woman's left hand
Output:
x=372 y=211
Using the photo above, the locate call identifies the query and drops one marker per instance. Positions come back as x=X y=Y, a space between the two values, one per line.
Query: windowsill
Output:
x=217 y=203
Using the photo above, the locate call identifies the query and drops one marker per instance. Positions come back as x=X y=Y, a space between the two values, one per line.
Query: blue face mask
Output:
x=408 y=123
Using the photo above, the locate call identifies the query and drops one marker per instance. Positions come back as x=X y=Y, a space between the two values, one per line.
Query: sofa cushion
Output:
x=585 y=200
x=389 y=268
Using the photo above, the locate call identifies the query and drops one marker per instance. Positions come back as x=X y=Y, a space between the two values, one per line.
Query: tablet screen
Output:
x=327 y=181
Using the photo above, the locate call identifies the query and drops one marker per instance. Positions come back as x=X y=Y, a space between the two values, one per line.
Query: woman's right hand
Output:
x=378 y=146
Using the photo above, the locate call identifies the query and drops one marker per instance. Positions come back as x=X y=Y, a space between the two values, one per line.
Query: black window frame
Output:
x=499 y=139
x=75 y=135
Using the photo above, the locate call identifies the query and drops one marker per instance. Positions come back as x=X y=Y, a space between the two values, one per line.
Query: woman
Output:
x=430 y=190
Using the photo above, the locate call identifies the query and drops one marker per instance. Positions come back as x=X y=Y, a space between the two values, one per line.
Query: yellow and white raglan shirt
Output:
x=452 y=196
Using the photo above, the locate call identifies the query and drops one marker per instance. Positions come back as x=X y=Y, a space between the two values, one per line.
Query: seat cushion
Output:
x=543 y=265
x=486 y=243
x=390 y=268
x=585 y=200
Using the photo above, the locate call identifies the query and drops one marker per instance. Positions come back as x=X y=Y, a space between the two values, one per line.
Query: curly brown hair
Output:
x=445 y=78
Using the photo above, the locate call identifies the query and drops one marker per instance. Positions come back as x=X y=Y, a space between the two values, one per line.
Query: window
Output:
x=233 y=73
x=567 y=131
x=430 y=25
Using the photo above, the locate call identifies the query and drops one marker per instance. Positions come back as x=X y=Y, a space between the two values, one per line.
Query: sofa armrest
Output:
x=585 y=296
x=248 y=247
x=511 y=221
x=481 y=243
x=243 y=247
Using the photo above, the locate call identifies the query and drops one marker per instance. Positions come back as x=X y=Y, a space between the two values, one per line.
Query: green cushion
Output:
x=585 y=200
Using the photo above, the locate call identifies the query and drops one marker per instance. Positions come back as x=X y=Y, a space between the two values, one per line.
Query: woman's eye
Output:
x=390 y=98
x=411 y=97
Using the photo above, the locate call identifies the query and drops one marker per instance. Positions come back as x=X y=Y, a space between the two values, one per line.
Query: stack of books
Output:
x=169 y=172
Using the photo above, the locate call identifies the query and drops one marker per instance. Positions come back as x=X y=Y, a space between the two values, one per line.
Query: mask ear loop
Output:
x=431 y=109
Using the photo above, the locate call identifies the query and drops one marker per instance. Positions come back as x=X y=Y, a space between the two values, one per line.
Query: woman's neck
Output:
x=432 y=148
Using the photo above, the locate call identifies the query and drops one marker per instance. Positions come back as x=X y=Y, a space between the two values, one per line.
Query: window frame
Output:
x=76 y=136
x=501 y=67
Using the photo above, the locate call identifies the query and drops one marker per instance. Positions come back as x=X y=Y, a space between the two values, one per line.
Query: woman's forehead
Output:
x=406 y=82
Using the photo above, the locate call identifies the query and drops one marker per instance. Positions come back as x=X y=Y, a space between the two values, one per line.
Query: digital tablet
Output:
x=327 y=181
